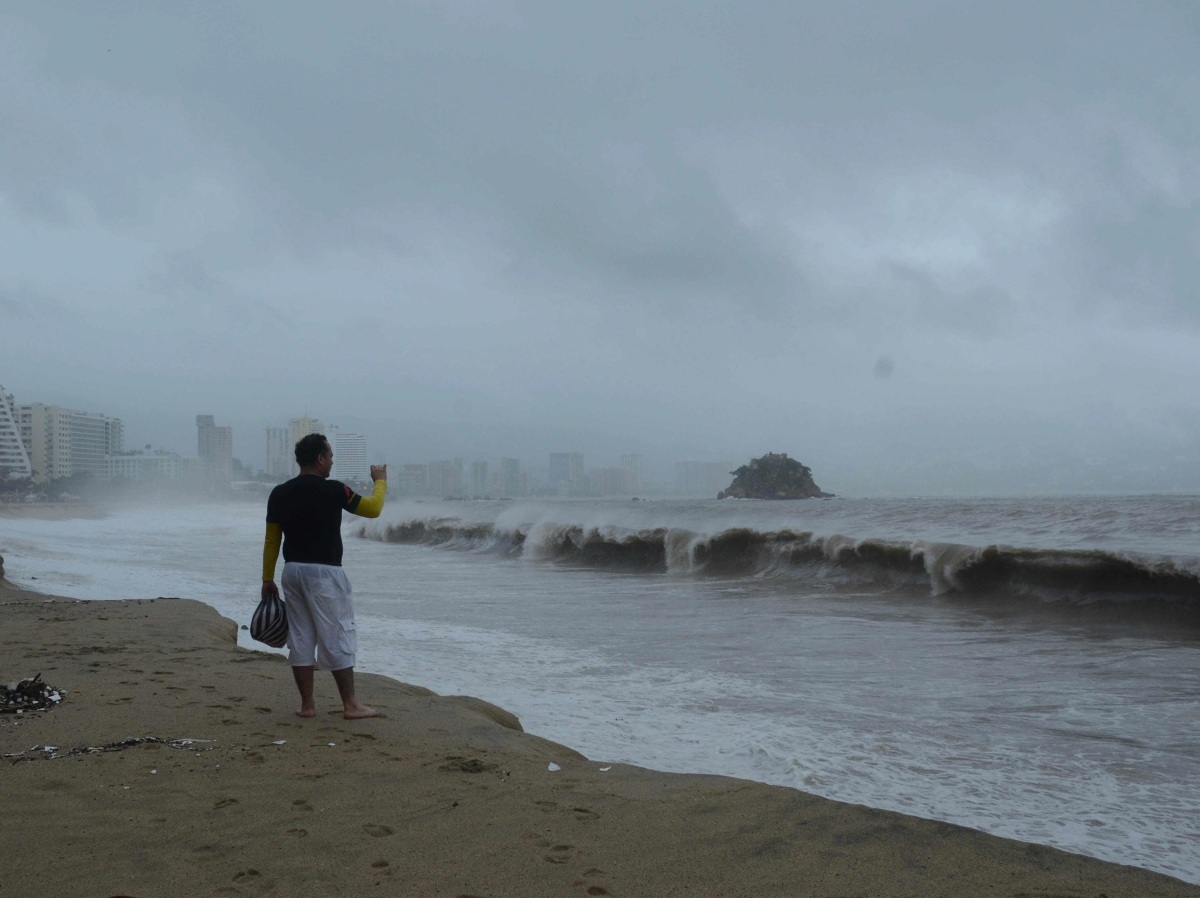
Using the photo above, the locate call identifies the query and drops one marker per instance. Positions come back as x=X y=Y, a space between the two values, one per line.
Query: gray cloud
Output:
x=690 y=226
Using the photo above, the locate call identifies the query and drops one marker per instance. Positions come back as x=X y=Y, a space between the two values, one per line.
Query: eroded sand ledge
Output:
x=442 y=797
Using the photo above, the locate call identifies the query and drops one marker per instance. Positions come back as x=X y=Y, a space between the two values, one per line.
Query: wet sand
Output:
x=180 y=768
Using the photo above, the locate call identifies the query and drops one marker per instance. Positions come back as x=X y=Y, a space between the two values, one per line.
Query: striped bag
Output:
x=269 y=624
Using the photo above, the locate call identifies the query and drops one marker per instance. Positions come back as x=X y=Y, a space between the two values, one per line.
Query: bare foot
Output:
x=359 y=712
x=307 y=712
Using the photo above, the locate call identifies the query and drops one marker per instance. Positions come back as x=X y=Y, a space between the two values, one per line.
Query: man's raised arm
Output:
x=372 y=505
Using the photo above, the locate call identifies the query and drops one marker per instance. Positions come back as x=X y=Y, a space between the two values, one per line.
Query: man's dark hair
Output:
x=309 y=447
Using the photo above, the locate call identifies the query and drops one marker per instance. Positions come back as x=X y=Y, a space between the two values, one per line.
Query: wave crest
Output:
x=1077 y=577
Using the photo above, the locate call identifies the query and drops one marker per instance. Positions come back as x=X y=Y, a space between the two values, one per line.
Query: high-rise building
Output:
x=298 y=429
x=349 y=458
x=214 y=446
x=566 y=472
x=61 y=442
x=14 y=459
x=302 y=427
x=281 y=458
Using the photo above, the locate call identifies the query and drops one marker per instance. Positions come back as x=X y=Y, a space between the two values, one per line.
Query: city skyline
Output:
x=216 y=458
x=1082 y=471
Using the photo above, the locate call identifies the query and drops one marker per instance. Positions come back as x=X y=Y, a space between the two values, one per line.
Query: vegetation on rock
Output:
x=773 y=476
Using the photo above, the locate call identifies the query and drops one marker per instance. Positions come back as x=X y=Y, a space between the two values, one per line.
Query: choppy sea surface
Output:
x=1027 y=667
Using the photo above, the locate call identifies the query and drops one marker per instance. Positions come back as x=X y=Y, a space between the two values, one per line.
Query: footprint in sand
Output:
x=379 y=864
x=225 y=802
x=248 y=873
x=560 y=854
x=378 y=830
x=297 y=832
x=584 y=814
x=301 y=805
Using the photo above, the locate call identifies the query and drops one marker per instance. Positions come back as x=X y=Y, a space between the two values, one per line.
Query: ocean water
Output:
x=1027 y=667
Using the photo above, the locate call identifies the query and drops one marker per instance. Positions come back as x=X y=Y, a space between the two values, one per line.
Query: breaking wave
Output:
x=1079 y=577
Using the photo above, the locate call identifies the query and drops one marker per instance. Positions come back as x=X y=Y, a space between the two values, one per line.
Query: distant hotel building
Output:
x=298 y=429
x=14 y=460
x=350 y=458
x=61 y=442
x=158 y=464
x=214 y=446
x=302 y=427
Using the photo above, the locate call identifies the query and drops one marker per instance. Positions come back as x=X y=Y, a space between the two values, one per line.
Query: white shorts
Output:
x=320 y=616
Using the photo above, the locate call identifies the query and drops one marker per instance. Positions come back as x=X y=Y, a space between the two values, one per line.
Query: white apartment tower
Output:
x=61 y=442
x=299 y=428
x=349 y=458
x=302 y=427
x=14 y=460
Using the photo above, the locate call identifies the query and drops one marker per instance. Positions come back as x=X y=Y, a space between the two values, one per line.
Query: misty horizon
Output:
x=922 y=249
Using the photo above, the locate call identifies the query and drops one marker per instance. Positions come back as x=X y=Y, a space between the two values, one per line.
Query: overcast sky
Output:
x=917 y=245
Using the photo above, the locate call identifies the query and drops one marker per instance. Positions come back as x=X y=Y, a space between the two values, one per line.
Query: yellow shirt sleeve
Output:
x=372 y=505
x=271 y=545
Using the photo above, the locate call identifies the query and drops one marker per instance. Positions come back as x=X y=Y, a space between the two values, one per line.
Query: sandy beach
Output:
x=176 y=766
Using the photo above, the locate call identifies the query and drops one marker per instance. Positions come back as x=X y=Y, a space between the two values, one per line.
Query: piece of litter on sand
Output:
x=605 y=769
x=30 y=694
x=279 y=742
x=553 y=767
x=332 y=744
x=154 y=771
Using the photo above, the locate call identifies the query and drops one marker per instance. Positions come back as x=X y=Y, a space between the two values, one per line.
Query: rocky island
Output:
x=773 y=476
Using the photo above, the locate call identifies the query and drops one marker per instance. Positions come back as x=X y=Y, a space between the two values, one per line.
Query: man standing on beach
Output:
x=305 y=516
